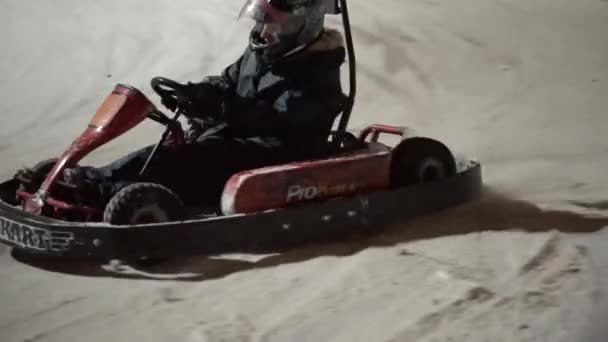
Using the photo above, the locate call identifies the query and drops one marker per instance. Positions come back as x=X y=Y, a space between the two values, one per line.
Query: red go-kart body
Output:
x=360 y=182
x=365 y=169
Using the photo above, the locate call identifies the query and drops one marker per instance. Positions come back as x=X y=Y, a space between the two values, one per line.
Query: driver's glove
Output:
x=181 y=99
x=196 y=127
x=206 y=97
x=199 y=100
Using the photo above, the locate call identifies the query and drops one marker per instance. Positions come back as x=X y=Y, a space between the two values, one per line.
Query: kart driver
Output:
x=278 y=101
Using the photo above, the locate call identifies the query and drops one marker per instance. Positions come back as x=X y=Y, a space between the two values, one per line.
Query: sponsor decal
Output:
x=303 y=192
x=34 y=238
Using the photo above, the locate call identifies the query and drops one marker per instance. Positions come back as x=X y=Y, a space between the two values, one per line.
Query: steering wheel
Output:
x=167 y=88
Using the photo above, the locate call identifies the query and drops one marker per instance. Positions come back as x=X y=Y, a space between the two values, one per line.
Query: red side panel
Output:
x=285 y=185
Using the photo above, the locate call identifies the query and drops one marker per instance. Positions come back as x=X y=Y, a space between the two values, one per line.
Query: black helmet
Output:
x=283 y=27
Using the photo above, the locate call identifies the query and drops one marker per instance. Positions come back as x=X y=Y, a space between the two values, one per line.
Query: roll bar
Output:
x=340 y=7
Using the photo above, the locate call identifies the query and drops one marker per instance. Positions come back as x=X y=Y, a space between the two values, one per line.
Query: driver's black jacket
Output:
x=294 y=101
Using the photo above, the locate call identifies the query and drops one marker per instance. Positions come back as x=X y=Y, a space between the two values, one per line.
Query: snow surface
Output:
x=520 y=85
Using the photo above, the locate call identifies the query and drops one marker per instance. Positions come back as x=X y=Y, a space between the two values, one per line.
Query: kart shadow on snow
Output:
x=492 y=212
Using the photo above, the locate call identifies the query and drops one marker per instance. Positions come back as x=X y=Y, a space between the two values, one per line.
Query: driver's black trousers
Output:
x=196 y=172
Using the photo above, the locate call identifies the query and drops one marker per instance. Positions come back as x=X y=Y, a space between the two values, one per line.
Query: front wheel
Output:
x=421 y=160
x=143 y=203
x=30 y=179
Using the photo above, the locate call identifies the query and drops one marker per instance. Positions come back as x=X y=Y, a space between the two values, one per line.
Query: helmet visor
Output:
x=262 y=11
x=272 y=23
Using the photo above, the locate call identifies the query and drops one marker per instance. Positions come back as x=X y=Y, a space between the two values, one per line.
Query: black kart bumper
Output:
x=262 y=231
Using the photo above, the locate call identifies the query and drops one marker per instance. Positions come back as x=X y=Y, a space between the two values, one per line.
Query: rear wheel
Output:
x=421 y=160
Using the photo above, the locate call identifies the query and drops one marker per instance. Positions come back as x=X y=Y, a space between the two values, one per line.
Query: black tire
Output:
x=142 y=203
x=37 y=174
x=420 y=160
x=44 y=167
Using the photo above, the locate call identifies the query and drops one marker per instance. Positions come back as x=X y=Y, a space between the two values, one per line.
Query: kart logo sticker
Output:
x=34 y=238
x=300 y=192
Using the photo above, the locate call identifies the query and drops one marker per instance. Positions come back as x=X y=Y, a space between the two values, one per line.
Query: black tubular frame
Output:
x=352 y=68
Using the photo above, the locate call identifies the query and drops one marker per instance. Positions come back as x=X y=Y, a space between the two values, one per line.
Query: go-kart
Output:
x=359 y=182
